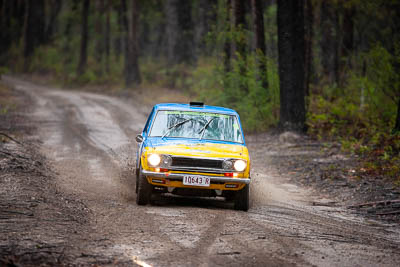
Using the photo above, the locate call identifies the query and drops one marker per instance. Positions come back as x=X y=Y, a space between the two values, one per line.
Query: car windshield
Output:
x=201 y=125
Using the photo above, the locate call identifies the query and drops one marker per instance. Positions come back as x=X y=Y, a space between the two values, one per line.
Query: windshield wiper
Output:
x=205 y=127
x=174 y=126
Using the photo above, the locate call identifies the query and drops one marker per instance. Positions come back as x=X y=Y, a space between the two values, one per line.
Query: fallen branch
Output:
x=12 y=139
x=14 y=155
x=389 y=212
x=229 y=253
x=384 y=202
x=327 y=204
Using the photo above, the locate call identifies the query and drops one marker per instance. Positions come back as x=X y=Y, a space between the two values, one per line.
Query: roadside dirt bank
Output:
x=333 y=177
x=76 y=206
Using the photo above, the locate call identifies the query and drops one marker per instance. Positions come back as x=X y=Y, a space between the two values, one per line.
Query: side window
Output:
x=145 y=129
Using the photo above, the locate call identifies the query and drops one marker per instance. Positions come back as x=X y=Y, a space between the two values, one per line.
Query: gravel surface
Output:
x=72 y=200
x=334 y=177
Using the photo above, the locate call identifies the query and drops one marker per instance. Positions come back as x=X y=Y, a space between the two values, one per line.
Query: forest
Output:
x=326 y=68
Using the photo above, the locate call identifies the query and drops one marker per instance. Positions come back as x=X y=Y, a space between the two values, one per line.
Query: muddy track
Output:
x=88 y=139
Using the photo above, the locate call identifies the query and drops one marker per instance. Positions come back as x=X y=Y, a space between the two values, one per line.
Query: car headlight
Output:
x=154 y=160
x=240 y=165
x=166 y=161
x=227 y=164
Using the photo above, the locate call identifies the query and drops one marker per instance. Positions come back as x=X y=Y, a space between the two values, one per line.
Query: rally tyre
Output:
x=144 y=190
x=137 y=180
x=242 y=199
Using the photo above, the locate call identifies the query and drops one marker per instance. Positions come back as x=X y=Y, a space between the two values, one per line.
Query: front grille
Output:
x=196 y=163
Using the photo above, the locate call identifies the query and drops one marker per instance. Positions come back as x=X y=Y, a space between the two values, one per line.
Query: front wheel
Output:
x=137 y=180
x=242 y=199
x=144 y=189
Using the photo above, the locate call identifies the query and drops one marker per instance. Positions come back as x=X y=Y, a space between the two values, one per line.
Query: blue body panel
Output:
x=158 y=141
x=187 y=107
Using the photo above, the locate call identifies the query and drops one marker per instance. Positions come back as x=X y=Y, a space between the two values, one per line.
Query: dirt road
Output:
x=89 y=141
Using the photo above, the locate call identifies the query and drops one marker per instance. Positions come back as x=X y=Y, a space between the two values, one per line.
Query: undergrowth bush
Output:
x=363 y=114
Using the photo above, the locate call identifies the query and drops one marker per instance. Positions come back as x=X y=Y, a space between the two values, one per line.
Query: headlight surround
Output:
x=227 y=165
x=154 y=160
x=166 y=161
x=240 y=165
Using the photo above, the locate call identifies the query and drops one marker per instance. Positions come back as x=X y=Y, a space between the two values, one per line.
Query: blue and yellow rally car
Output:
x=193 y=149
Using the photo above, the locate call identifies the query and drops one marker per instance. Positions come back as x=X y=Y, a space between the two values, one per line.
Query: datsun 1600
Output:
x=193 y=149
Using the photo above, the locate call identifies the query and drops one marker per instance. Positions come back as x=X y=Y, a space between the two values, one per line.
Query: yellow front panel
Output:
x=201 y=150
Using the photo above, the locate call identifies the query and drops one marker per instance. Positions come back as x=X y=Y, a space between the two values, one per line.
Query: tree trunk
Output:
x=240 y=41
x=309 y=35
x=329 y=42
x=258 y=10
x=397 y=126
x=34 y=29
x=203 y=18
x=29 y=39
x=20 y=17
x=291 y=48
x=132 y=73
x=184 y=50
x=171 y=30
x=84 y=37
x=395 y=29
x=5 y=26
x=348 y=31
x=51 y=25
x=125 y=23
x=119 y=41
x=70 y=21
x=107 y=37
x=40 y=21
x=228 y=41
x=347 y=42
x=239 y=20
x=99 y=28
x=179 y=32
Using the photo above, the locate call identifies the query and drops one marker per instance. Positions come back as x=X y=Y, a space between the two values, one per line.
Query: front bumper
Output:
x=179 y=177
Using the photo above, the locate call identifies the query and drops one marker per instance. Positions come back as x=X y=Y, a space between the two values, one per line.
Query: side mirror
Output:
x=139 y=138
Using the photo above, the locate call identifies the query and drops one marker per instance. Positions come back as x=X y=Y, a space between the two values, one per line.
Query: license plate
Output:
x=196 y=180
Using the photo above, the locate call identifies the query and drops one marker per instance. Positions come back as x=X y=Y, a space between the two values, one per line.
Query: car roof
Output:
x=187 y=107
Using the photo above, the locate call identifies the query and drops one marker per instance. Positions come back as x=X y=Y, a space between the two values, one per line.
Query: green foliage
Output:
x=367 y=104
x=362 y=114
x=4 y=70
x=158 y=73
x=15 y=54
x=47 y=59
x=257 y=106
